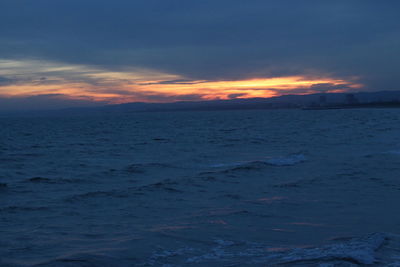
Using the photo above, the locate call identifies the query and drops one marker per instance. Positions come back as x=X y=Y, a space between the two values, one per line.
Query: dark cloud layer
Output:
x=6 y=81
x=212 y=39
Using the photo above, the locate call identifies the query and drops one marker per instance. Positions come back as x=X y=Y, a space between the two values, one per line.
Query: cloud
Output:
x=93 y=83
x=180 y=81
x=224 y=39
x=102 y=44
x=6 y=81
x=319 y=88
x=238 y=95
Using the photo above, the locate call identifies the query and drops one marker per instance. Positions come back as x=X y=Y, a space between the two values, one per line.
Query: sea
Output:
x=210 y=188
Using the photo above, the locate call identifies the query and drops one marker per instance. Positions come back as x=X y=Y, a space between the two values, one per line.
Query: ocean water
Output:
x=227 y=188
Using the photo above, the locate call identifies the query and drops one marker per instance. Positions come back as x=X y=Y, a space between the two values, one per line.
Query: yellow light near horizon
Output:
x=37 y=77
x=268 y=83
x=267 y=87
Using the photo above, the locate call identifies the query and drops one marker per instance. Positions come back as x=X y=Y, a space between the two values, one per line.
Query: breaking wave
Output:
x=290 y=160
x=361 y=250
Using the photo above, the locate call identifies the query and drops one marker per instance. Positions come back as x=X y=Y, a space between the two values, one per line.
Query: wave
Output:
x=44 y=180
x=359 y=251
x=163 y=186
x=83 y=260
x=394 y=152
x=97 y=194
x=14 y=209
x=376 y=248
x=290 y=160
x=287 y=161
x=143 y=167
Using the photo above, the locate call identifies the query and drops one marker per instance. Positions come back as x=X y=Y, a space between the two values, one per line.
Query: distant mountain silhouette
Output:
x=360 y=99
x=380 y=99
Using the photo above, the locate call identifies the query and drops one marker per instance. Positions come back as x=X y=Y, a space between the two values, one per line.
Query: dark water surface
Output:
x=232 y=188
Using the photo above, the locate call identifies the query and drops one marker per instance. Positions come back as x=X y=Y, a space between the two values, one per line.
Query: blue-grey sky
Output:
x=131 y=50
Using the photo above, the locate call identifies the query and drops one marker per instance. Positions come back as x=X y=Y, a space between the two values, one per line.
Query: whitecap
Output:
x=362 y=250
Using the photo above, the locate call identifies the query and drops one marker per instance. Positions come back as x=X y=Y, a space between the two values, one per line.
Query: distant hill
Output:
x=312 y=101
x=280 y=102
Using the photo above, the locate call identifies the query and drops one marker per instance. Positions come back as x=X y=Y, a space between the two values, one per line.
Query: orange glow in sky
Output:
x=83 y=82
x=266 y=87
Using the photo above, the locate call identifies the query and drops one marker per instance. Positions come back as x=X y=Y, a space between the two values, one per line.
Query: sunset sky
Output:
x=94 y=52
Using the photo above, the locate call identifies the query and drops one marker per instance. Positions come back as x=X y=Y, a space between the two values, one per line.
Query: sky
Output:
x=68 y=53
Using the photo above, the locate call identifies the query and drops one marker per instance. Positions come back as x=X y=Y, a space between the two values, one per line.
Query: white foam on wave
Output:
x=357 y=250
x=361 y=251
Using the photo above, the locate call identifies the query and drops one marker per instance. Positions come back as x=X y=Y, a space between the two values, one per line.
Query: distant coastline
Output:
x=394 y=104
x=320 y=101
